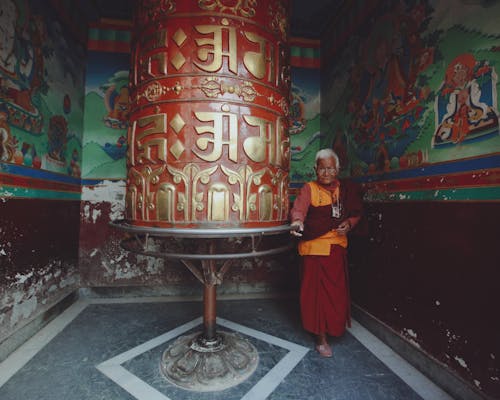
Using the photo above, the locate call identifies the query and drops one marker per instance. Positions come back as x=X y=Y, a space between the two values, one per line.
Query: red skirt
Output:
x=324 y=294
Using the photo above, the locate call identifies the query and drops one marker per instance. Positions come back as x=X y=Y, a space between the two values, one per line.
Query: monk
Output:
x=323 y=213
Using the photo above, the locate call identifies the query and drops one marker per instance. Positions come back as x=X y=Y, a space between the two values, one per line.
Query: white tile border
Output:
x=261 y=390
x=412 y=377
x=32 y=346
x=425 y=388
x=135 y=386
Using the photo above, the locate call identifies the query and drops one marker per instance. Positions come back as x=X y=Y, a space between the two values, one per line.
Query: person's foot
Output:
x=324 y=350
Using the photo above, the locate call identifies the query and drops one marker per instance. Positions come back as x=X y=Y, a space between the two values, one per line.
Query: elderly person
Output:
x=323 y=213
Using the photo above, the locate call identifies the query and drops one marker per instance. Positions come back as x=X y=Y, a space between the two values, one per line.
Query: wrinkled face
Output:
x=326 y=170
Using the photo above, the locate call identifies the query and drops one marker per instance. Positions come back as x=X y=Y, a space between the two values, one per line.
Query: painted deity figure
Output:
x=118 y=107
x=57 y=136
x=462 y=109
x=21 y=60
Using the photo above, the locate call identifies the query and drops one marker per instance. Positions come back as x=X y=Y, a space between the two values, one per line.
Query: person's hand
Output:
x=344 y=227
x=297 y=228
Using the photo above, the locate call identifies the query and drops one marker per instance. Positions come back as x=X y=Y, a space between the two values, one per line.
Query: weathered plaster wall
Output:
x=41 y=112
x=104 y=263
x=38 y=258
x=430 y=272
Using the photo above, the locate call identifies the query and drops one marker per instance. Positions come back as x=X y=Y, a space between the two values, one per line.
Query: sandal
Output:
x=324 y=350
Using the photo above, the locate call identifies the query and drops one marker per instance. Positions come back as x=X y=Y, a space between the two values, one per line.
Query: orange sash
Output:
x=321 y=245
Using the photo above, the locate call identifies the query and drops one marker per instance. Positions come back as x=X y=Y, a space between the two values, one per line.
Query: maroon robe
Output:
x=324 y=295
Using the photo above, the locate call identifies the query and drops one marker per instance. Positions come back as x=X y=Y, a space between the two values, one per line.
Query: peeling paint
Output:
x=410 y=332
x=438 y=303
x=70 y=280
x=95 y=214
x=20 y=279
x=105 y=191
x=127 y=272
x=477 y=383
x=109 y=271
x=461 y=361
x=451 y=336
x=22 y=308
x=6 y=193
x=86 y=212
x=108 y=191
x=412 y=336
x=156 y=267
x=94 y=252
x=29 y=292
x=120 y=257
x=52 y=288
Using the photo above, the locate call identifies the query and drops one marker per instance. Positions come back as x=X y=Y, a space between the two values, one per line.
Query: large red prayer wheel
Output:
x=208 y=139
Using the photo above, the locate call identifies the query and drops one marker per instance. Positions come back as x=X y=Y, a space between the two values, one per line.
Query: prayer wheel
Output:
x=208 y=136
x=208 y=157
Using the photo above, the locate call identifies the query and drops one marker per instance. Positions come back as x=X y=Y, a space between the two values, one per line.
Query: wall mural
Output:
x=305 y=117
x=106 y=116
x=414 y=88
x=465 y=106
x=41 y=81
x=305 y=130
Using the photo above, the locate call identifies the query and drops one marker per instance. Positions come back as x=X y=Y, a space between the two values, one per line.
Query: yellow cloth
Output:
x=321 y=245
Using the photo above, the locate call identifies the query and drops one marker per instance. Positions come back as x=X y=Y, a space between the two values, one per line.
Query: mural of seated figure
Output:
x=464 y=105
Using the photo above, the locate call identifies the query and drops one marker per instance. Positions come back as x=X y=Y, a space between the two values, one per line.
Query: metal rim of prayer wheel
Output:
x=144 y=241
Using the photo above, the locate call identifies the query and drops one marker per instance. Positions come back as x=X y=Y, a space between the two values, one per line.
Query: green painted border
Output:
x=304 y=52
x=459 y=194
x=109 y=34
x=19 y=192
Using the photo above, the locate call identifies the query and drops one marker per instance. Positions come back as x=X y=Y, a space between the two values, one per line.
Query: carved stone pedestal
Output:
x=195 y=363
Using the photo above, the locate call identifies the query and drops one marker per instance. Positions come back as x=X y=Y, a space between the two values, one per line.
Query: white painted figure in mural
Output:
x=465 y=115
x=7 y=145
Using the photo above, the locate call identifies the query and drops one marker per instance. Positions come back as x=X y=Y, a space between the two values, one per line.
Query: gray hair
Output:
x=327 y=153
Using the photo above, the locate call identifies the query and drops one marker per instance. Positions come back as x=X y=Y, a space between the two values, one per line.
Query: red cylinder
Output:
x=208 y=138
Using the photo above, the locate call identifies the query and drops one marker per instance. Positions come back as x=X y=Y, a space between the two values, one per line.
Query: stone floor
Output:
x=110 y=349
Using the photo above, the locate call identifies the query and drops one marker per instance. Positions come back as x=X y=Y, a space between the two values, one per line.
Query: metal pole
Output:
x=209 y=313
x=210 y=297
